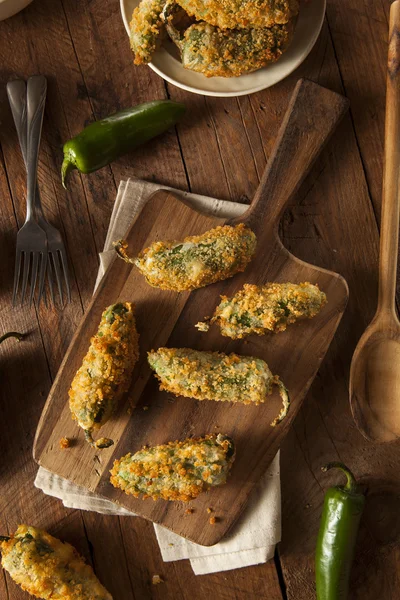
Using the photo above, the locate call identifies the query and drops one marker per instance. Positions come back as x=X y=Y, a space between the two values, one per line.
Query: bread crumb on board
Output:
x=65 y=443
x=209 y=510
x=156 y=579
x=189 y=511
x=213 y=520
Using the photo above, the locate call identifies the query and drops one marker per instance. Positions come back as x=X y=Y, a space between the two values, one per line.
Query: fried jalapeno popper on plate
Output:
x=216 y=376
x=224 y=38
x=271 y=307
x=106 y=371
x=196 y=261
x=47 y=568
x=146 y=27
x=233 y=14
x=216 y=52
x=175 y=471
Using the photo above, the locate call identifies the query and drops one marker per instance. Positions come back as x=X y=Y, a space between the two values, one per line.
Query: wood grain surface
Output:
x=220 y=149
x=374 y=386
x=167 y=319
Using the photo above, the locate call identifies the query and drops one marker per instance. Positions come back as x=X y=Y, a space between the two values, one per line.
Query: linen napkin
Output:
x=253 y=538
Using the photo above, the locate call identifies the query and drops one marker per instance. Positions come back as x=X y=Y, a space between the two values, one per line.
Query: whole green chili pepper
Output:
x=14 y=334
x=341 y=514
x=103 y=141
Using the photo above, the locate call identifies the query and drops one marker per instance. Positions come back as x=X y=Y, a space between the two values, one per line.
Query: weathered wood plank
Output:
x=361 y=51
x=25 y=382
x=324 y=428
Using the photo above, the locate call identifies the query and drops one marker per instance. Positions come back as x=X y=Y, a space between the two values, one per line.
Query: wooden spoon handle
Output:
x=390 y=195
x=311 y=117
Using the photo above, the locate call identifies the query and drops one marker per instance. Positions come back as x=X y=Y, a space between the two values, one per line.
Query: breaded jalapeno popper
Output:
x=177 y=470
x=196 y=261
x=271 y=307
x=223 y=38
x=106 y=371
x=232 y=14
x=47 y=568
x=216 y=52
x=145 y=27
x=216 y=376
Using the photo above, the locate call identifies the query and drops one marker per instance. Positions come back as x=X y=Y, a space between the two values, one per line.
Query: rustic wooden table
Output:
x=219 y=149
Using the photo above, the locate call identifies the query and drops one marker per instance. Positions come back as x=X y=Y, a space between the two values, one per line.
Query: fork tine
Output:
x=58 y=275
x=17 y=271
x=42 y=275
x=27 y=260
x=50 y=277
x=64 y=262
x=35 y=265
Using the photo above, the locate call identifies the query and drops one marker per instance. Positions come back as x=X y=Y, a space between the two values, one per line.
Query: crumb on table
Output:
x=209 y=510
x=213 y=520
x=189 y=511
x=156 y=579
x=65 y=443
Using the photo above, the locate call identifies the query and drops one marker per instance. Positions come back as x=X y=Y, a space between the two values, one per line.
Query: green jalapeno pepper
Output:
x=343 y=507
x=103 y=141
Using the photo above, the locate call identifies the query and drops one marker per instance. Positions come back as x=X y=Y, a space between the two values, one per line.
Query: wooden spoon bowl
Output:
x=375 y=381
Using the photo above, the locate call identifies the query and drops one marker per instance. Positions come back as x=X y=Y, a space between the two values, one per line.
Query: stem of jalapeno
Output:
x=14 y=334
x=341 y=515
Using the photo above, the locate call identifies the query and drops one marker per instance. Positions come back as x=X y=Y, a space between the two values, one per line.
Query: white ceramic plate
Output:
x=168 y=66
x=8 y=8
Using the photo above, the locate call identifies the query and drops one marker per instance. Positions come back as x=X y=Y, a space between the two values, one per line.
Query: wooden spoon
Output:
x=375 y=368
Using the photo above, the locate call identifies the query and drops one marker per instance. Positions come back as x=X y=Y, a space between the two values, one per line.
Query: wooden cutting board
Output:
x=165 y=318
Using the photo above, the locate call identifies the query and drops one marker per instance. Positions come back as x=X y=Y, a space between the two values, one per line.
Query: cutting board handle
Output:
x=311 y=117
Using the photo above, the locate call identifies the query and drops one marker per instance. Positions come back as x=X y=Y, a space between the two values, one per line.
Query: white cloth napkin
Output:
x=253 y=538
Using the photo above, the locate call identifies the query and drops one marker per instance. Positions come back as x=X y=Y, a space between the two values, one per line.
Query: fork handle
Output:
x=36 y=98
x=16 y=92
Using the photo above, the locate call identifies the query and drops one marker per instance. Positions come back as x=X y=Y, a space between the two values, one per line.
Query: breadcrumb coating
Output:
x=196 y=261
x=231 y=14
x=271 y=307
x=216 y=376
x=216 y=52
x=47 y=568
x=65 y=443
x=146 y=26
x=177 y=470
x=106 y=370
x=232 y=37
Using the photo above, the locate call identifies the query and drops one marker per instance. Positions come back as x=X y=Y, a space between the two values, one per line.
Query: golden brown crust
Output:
x=145 y=27
x=216 y=52
x=106 y=370
x=198 y=260
x=271 y=307
x=175 y=471
x=48 y=568
x=217 y=376
x=231 y=14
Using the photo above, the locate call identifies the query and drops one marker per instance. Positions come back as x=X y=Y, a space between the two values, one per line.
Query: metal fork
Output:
x=57 y=257
x=31 y=238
